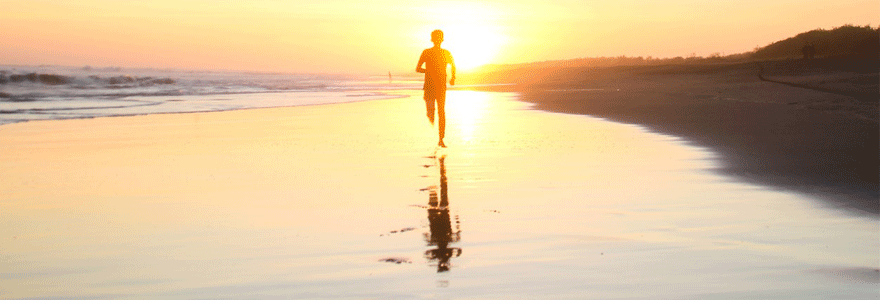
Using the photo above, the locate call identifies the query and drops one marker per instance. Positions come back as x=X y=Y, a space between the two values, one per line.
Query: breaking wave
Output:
x=52 y=92
x=120 y=81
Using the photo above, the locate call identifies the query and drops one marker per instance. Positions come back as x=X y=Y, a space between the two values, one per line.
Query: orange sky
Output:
x=347 y=36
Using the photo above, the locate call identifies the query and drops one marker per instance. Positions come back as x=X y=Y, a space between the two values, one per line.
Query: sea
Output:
x=29 y=93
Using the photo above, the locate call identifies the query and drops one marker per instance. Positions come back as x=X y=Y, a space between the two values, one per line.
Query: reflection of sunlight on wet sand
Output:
x=465 y=109
x=306 y=202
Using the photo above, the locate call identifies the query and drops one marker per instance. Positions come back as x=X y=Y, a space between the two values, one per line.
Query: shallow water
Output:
x=353 y=201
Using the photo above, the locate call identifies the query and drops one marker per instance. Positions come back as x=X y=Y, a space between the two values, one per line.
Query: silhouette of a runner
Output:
x=435 y=60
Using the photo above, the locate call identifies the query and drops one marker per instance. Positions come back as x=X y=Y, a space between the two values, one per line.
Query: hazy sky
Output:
x=340 y=36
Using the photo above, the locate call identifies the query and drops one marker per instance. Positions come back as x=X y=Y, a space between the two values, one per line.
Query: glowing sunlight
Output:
x=473 y=32
x=472 y=46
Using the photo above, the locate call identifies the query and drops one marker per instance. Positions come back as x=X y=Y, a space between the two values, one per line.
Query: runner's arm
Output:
x=452 y=62
x=419 y=65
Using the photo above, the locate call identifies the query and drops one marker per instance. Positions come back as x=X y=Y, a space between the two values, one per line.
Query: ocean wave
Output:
x=131 y=80
x=57 y=92
x=121 y=81
x=10 y=98
x=50 y=79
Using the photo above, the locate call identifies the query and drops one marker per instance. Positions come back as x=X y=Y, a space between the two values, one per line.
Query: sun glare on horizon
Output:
x=472 y=46
x=366 y=37
x=471 y=33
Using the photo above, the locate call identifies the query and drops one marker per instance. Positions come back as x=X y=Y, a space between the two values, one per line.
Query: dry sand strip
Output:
x=792 y=138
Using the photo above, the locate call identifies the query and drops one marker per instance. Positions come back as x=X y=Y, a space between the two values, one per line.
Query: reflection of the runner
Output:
x=441 y=234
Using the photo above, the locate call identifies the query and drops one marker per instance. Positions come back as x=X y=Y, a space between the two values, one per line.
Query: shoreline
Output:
x=766 y=133
x=378 y=95
x=331 y=197
x=760 y=160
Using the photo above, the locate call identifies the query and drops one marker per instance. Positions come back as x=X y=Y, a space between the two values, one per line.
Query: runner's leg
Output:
x=441 y=114
x=429 y=107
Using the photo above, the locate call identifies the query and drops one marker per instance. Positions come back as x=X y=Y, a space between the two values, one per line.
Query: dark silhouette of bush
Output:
x=846 y=40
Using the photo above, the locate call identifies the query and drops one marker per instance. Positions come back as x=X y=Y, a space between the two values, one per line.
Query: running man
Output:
x=435 y=60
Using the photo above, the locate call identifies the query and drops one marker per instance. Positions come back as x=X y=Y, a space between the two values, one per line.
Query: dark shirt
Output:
x=435 y=60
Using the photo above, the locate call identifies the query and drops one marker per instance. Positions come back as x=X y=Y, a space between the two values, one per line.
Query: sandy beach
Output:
x=354 y=201
x=288 y=150
x=812 y=129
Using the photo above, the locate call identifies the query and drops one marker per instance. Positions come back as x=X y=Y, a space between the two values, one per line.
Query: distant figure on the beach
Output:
x=808 y=51
x=435 y=60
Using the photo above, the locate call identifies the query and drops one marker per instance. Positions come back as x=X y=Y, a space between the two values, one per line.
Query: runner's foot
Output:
x=441 y=144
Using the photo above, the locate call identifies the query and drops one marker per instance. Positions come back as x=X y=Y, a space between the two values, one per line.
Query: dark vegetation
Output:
x=845 y=40
x=845 y=48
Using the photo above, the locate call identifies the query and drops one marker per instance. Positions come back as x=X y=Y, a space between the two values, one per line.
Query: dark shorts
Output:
x=435 y=90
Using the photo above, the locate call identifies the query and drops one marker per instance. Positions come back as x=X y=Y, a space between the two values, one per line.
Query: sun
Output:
x=472 y=45
x=474 y=32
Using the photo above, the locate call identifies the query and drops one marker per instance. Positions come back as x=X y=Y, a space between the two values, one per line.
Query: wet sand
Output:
x=817 y=134
x=355 y=201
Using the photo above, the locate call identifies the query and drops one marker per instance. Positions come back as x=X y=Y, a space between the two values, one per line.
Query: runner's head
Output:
x=437 y=36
